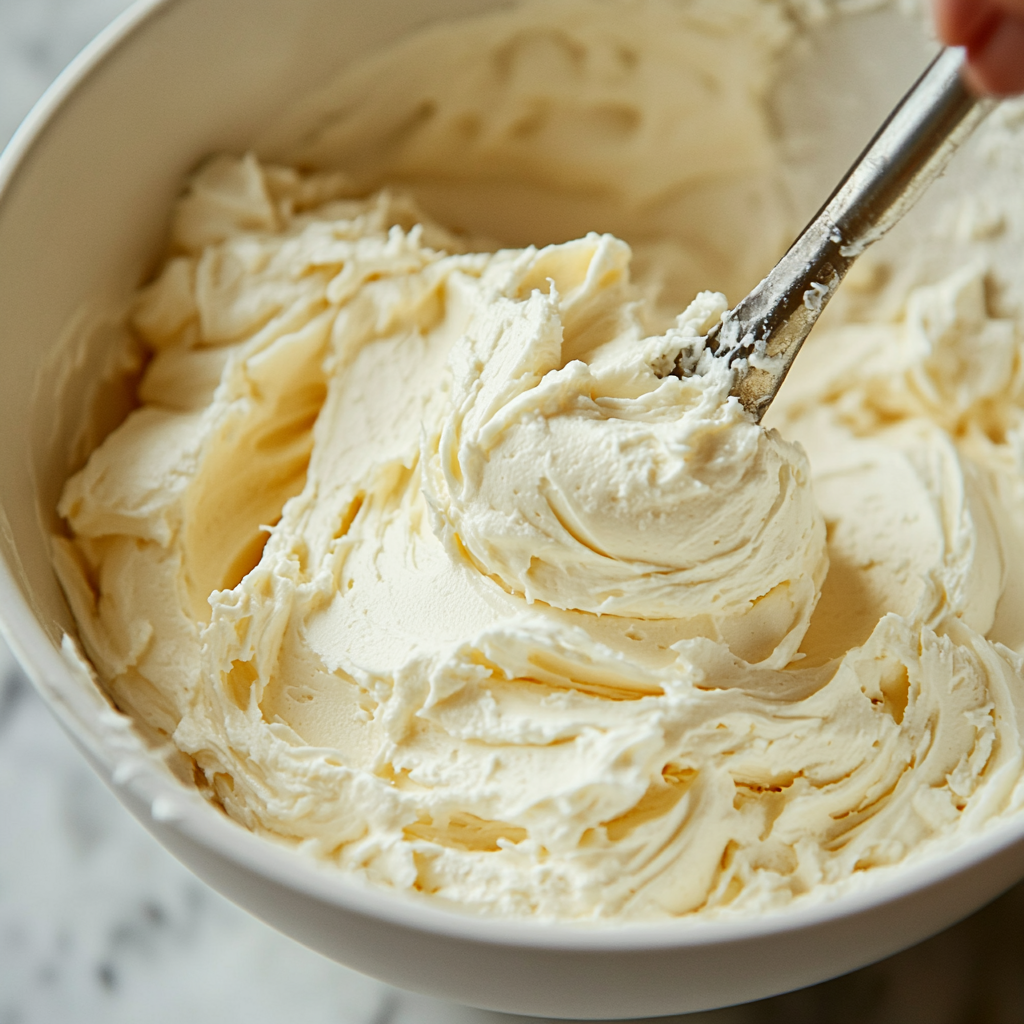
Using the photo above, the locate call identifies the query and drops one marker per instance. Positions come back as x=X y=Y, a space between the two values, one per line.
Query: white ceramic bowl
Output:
x=85 y=189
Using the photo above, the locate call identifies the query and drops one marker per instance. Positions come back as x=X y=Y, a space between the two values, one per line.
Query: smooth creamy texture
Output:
x=540 y=124
x=432 y=569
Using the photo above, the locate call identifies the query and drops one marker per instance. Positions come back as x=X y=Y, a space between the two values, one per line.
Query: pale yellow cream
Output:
x=419 y=551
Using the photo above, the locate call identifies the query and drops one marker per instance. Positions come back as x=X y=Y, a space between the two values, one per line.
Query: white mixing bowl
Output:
x=85 y=190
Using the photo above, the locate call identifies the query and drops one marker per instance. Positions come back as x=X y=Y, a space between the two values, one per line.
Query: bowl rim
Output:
x=188 y=813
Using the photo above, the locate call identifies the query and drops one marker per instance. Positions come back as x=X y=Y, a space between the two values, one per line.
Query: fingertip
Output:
x=965 y=22
x=995 y=67
x=976 y=82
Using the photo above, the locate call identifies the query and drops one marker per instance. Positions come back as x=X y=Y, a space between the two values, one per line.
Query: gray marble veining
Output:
x=99 y=924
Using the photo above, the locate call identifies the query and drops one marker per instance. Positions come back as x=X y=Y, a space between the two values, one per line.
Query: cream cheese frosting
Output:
x=418 y=550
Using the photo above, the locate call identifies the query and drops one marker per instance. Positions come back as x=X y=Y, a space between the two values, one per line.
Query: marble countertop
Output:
x=99 y=924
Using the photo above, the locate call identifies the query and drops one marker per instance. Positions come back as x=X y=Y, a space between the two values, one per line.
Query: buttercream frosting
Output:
x=419 y=550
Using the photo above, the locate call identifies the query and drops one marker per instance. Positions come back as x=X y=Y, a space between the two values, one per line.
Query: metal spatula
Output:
x=762 y=335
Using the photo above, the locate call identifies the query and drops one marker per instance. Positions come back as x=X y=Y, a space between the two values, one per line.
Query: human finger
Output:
x=995 y=63
x=967 y=22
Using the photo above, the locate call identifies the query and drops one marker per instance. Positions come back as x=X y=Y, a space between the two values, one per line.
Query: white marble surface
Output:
x=99 y=924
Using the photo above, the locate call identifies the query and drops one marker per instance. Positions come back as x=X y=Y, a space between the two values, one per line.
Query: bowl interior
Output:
x=87 y=185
